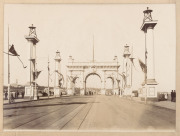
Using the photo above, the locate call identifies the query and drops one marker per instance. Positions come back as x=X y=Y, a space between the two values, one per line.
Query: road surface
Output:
x=98 y=112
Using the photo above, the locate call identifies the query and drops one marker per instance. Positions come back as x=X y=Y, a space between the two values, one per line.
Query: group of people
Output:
x=173 y=96
x=89 y=93
x=14 y=95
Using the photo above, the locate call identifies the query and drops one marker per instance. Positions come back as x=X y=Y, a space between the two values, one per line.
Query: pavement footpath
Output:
x=164 y=104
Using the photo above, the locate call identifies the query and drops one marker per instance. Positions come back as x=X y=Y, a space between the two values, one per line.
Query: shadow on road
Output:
x=32 y=106
x=21 y=107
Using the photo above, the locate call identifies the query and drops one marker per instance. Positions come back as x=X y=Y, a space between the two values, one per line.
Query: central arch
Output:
x=85 y=80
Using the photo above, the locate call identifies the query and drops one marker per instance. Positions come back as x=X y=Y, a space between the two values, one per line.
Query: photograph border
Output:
x=85 y=133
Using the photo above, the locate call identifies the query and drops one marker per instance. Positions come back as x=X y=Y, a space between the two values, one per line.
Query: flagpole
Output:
x=35 y=96
x=145 y=70
x=131 y=66
x=123 y=80
x=48 y=76
x=93 y=48
x=8 y=69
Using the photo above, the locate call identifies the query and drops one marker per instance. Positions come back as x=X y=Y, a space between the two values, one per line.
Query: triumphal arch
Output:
x=82 y=70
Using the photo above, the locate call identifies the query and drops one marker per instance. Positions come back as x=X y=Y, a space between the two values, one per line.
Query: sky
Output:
x=70 y=28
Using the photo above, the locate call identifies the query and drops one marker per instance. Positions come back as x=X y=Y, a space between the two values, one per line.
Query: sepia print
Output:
x=89 y=67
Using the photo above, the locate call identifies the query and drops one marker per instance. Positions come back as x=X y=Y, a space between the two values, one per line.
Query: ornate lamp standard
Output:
x=127 y=66
x=147 y=27
x=32 y=40
x=57 y=74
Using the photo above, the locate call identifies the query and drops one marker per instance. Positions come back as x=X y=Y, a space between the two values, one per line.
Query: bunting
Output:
x=143 y=66
x=74 y=79
x=61 y=79
x=132 y=61
x=36 y=74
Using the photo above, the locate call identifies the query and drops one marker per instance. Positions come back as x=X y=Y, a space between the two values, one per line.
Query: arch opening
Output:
x=76 y=85
x=93 y=84
x=109 y=85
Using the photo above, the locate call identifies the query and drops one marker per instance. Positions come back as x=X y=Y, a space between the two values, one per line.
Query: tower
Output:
x=57 y=77
x=70 y=84
x=32 y=39
x=127 y=70
x=149 y=85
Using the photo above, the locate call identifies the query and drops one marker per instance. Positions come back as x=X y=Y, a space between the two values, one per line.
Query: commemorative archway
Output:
x=82 y=70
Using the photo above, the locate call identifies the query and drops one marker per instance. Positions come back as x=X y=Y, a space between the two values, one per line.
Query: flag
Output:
x=13 y=51
x=146 y=54
x=74 y=79
x=132 y=61
x=36 y=74
x=143 y=66
x=60 y=79
x=70 y=78
x=124 y=77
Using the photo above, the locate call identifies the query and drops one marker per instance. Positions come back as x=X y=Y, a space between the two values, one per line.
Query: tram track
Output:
x=80 y=111
x=62 y=108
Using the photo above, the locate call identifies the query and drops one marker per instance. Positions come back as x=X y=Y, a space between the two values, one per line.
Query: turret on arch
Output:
x=83 y=70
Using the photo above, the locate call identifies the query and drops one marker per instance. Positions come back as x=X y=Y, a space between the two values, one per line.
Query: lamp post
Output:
x=8 y=69
x=126 y=55
x=48 y=76
x=57 y=72
x=148 y=27
x=32 y=40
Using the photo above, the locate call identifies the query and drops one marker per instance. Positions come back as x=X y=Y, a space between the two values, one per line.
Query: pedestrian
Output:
x=17 y=94
x=171 y=95
x=174 y=96
x=6 y=94
x=165 y=96
x=12 y=96
x=22 y=94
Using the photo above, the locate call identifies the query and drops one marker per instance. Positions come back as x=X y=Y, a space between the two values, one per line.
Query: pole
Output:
x=93 y=48
x=48 y=76
x=35 y=90
x=145 y=70
x=55 y=80
x=123 y=80
x=131 y=66
x=8 y=69
x=117 y=78
x=66 y=80
x=30 y=73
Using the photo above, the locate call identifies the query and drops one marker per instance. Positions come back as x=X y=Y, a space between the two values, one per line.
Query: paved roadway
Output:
x=87 y=113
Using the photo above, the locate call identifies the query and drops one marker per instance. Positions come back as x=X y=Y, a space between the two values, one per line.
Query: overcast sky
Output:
x=69 y=28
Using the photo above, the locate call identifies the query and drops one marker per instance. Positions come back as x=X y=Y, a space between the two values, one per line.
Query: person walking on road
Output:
x=6 y=94
x=22 y=94
x=172 y=95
